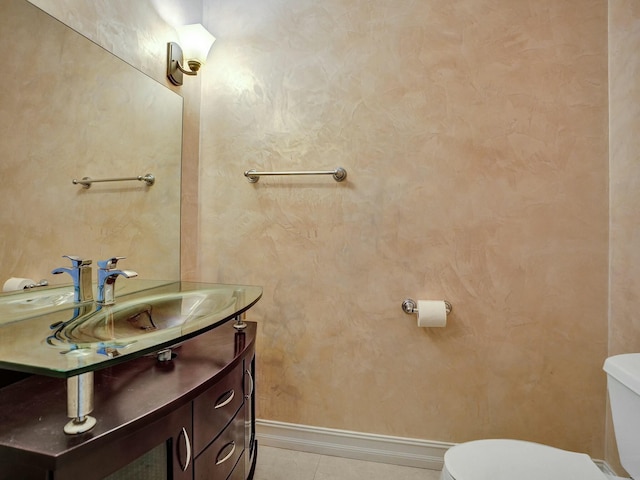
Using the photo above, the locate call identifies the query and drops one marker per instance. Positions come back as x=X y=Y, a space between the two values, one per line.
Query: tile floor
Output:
x=279 y=464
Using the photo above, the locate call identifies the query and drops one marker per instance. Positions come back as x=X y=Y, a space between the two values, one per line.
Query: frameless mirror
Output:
x=69 y=109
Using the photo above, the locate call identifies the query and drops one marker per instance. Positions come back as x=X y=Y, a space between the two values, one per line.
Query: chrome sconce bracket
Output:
x=175 y=70
x=196 y=42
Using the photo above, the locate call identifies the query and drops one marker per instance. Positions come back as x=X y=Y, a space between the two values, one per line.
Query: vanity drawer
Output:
x=219 y=458
x=213 y=409
x=239 y=472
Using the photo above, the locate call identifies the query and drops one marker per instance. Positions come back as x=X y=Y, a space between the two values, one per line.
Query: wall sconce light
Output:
x=196 y=42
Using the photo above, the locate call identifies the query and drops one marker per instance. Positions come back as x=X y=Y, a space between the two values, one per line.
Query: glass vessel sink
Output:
x=156 y=315
x=79 y=338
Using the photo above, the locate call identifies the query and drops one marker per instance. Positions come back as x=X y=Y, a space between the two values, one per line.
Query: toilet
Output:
x=499 y=459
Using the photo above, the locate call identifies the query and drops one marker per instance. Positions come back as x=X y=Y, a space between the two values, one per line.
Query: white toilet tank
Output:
x=623 y=383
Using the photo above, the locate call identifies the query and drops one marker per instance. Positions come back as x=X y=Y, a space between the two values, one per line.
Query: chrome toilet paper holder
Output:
x=410 y=306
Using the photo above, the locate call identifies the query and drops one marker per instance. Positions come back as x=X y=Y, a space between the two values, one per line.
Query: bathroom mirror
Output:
x=70 y=109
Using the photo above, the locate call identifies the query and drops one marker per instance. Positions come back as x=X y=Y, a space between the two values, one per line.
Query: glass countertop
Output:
x=15 y=306
x=43 y=333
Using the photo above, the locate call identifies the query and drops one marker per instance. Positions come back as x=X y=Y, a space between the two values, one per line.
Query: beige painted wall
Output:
x=475 y=137
x=138 y=33
x=624 y=171
x=75 y=111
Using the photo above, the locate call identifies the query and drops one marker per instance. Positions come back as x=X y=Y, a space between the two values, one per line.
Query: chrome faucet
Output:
x=107 y=275
x=81 y=276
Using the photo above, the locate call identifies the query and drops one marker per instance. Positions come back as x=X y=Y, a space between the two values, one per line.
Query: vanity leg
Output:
x=79 y=404
x=239 y=324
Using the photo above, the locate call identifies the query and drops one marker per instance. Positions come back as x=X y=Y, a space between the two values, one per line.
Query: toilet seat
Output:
x=516 y=459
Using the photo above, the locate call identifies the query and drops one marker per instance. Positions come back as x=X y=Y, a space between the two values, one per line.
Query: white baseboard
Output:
x=361 y=446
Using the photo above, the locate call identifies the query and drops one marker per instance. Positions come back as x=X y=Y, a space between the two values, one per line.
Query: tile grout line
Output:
x=315 y=473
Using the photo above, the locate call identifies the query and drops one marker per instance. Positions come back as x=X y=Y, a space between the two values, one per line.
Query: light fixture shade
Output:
x=196 y=42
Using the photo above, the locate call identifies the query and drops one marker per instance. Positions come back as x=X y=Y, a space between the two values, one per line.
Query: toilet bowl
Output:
x=516 y=459
x=520 y=460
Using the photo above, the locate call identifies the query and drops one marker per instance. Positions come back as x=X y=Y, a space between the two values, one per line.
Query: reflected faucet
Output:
x=107 y=275
x=81 y=275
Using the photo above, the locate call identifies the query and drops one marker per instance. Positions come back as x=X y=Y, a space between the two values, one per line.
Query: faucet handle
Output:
x=77 y=261
x=110 y=263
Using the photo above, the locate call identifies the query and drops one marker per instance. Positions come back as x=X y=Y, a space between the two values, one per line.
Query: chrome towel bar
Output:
x=86 y=182
x=339 y=174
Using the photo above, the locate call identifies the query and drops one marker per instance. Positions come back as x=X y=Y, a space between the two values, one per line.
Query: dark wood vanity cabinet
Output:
x=189 y=418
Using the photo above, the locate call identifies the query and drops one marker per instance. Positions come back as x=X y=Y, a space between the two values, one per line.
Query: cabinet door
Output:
x=182 y=451
x=160 y=450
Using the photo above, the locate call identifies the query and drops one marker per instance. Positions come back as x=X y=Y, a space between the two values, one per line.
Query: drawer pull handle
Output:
x=228 y=455
x=230 y=394
x=187 y=443
x=248 y=372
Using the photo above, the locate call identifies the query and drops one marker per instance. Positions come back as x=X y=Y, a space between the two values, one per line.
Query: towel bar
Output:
x=339 y=174
x=86 y=182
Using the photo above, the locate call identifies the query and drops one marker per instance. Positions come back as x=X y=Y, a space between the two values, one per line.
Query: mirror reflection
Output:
x=69 y=109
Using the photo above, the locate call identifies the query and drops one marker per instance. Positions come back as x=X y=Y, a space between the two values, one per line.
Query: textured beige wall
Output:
x=624 y=125
x=133 y=31
x=138 y=32
x=475 y=137
x=624 y=61
x=77 y=111
x=474 y=133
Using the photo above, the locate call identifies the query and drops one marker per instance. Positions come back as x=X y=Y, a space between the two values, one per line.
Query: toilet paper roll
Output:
x=17 y=283
x=432 y=313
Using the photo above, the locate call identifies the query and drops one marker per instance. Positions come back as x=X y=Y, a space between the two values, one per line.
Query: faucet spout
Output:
x=107 y=275
x=81 y=275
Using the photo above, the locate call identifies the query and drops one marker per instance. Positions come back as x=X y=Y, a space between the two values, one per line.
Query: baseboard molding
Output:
x=361 y=446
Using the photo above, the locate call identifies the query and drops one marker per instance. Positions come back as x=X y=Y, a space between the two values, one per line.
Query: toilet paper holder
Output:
x=410 y=306
x=41 y=283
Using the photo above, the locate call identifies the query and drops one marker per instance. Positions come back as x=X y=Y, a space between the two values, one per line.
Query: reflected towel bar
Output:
x=339 y=174
x=86 y=182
